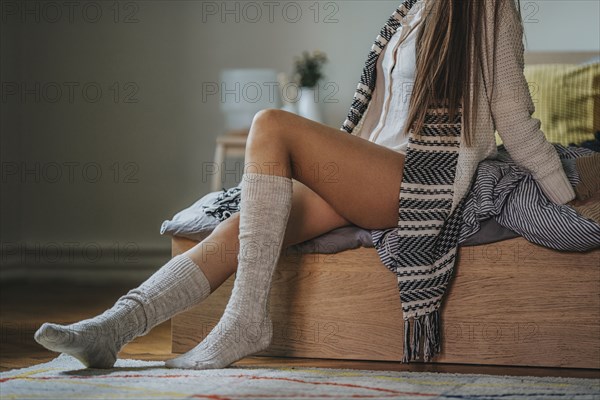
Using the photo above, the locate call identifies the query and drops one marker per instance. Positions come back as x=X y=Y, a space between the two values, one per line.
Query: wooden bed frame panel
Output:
x=509 y=303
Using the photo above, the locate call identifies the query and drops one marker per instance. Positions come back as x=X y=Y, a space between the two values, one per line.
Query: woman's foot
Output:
x=227 y=343
x=177 y=286
x=95 y=342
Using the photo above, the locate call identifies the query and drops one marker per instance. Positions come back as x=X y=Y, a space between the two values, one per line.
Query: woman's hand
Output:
x=576 y=202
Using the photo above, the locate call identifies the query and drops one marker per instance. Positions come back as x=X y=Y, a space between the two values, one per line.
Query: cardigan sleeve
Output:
x=512 y=107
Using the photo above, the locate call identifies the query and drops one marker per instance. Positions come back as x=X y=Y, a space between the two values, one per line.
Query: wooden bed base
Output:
x=509 y=303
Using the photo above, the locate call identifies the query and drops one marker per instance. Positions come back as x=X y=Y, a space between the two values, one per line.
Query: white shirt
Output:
x=398 y=64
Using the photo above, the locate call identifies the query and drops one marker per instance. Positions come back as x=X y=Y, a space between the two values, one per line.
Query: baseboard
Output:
x=102 y=264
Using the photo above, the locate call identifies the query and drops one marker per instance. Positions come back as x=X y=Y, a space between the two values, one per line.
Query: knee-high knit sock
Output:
x=245 y=327
x=175 y=287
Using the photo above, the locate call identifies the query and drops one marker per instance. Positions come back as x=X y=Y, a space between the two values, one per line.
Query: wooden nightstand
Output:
x=230 y=144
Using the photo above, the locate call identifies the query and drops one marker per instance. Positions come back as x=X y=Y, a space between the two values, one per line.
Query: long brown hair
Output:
x=450 y=34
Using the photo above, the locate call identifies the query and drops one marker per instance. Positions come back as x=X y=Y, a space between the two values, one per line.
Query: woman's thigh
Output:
x=310 y=216
x=359 y=179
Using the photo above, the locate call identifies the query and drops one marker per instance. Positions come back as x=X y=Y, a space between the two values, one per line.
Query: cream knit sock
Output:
x=245 y=327
x=176 y=287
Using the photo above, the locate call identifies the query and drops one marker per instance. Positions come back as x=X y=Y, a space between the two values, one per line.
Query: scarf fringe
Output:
x=423 y=333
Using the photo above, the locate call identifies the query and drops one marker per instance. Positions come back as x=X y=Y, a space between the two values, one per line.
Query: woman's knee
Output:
x=228 y=227
x=269 y=117
x=267 y=124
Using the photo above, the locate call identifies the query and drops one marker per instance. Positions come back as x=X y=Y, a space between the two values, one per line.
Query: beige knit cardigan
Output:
x=508 y=112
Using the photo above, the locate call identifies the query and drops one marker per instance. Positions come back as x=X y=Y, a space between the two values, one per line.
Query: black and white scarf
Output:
x=424 y=252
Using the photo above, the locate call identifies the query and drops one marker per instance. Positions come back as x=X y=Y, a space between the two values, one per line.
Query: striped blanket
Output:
x=503 y=191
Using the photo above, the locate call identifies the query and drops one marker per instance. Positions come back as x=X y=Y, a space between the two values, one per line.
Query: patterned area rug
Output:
x=64 y=378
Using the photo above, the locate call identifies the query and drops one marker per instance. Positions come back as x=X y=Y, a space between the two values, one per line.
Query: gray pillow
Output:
x=489 y=231
x=336 y=240
x=192 y=223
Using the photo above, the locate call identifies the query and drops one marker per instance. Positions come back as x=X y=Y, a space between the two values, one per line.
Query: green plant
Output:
x=308 y=68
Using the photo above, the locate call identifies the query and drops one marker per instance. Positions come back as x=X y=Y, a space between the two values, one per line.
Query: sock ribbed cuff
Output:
x=253 y=187
x=185 y=268
x=177 y=286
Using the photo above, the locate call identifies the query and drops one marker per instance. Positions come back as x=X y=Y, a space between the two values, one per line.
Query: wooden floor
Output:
x=25 y=306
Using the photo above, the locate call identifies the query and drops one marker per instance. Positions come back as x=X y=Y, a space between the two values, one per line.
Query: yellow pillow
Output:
x=566 y=99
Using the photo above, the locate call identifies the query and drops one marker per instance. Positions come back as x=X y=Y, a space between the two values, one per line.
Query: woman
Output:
x=303 y=179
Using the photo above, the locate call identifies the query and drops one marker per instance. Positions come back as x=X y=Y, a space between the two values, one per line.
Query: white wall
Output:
x=164 y=137
x=552 y=25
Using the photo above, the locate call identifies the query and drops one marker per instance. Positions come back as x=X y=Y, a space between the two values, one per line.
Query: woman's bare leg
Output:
x=310 y=217
x=358 y=180
x=339 y=179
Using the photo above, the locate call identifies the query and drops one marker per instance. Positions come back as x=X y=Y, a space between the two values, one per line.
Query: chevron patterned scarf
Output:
x=422 y=249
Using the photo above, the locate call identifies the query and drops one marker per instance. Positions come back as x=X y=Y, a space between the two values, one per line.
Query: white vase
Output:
x=308 y=104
